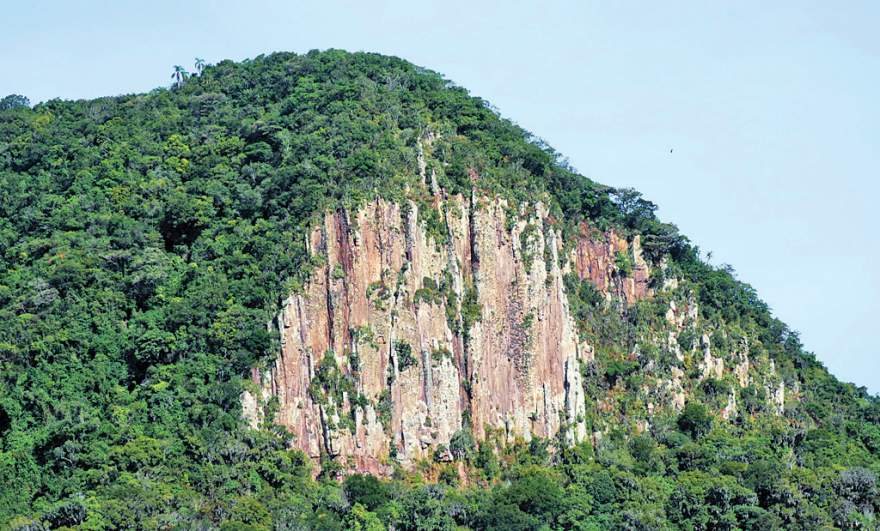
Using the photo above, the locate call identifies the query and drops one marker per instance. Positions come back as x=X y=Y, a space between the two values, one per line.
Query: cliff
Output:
x=426 y=326
x=402 y=338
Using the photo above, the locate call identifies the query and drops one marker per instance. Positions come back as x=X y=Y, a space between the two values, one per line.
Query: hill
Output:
x=440 y=270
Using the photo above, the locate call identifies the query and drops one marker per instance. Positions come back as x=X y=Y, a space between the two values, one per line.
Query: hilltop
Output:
x=580 y=365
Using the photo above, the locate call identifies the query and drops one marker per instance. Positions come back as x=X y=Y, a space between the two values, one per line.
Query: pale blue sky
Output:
x=771 y=109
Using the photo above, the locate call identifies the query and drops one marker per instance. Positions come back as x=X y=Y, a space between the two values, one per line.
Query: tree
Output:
x=366 y=491
x=179 y=75
x=360 y=519
x=765 y=477
x=686 y=508
x=14 y=101
x=505 y=516
x=537 y=492
x=858 y=487
x=695 y=420
x=635 y=209
x=200 y=64
x=642 y=448
x=462 y=444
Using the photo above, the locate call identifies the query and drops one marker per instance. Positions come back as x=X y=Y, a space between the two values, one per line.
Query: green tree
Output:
x=462 y=445
x=14 y=101
x=179 y=75
x=695 y=420
x=366 y=490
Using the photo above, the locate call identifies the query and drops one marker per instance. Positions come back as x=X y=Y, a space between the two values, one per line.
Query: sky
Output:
x=770 y=111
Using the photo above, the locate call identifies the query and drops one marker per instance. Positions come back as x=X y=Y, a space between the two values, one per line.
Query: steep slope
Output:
x=316 y=264
x=389 y=301
x=402 y=342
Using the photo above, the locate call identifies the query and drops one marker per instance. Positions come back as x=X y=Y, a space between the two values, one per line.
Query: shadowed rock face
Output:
x=401 y=339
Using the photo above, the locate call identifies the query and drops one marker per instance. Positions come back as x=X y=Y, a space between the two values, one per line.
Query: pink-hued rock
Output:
x=594 y=258
x=515 y=371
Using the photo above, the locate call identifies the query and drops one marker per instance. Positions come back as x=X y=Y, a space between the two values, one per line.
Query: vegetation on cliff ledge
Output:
x=147 y=239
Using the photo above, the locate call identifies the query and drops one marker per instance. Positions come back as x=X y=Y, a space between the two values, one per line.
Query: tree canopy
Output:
x=146 y=240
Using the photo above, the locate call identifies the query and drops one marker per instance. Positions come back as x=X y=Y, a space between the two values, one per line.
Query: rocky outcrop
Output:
x=711 y=366
x=419 y=323
x=595 y=257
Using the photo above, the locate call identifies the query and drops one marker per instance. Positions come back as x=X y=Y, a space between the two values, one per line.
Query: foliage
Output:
x=462 y=445
x=405 y=357
x=146 y=240
x=14 y=101
x=695 y=419
x=623 y=263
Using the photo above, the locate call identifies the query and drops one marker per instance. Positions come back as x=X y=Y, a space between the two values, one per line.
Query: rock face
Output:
x=418 y=324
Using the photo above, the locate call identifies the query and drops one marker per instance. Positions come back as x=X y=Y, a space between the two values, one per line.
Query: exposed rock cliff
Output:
x=412 y=330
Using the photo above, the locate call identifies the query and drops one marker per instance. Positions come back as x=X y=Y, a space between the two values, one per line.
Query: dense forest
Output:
x=146 y=240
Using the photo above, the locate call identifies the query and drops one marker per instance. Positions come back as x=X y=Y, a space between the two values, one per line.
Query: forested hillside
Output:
x=147 y=240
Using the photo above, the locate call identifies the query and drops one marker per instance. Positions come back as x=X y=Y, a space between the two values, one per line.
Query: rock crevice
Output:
x=400 y=340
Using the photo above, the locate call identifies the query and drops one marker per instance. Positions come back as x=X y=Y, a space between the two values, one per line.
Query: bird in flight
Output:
x=670 y=150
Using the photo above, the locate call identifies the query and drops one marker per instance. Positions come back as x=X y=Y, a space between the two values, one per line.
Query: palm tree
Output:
x=200 y=64
x=180 y=74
